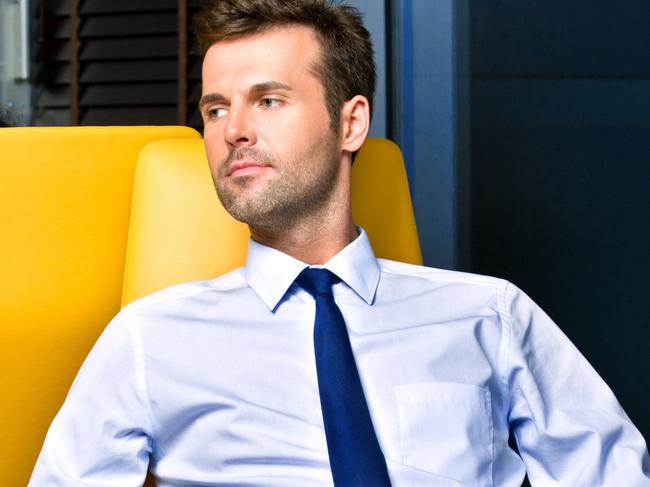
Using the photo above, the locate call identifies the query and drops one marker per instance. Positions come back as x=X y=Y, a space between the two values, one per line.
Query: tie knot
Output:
x=317 y=281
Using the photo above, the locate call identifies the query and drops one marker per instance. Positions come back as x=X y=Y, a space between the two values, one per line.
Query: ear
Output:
x=355 y=123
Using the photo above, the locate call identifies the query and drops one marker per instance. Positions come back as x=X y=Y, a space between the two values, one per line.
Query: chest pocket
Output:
x=446 y=429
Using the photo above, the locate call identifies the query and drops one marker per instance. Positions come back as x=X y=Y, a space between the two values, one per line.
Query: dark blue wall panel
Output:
x=577 y=38
x=560 y=151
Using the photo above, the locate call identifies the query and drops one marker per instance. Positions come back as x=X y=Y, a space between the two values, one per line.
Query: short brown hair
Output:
x=347 y=67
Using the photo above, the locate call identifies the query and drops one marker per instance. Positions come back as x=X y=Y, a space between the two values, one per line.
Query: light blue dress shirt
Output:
x=214 y=383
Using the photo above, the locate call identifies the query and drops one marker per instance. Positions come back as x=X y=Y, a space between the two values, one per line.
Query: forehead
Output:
x=285 y=54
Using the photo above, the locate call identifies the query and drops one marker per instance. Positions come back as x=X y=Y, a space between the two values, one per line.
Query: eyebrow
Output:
x=210 y=98
x=269 y=86
x=255 y=89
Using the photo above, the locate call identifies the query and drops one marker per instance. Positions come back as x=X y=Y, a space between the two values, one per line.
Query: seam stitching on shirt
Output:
x=504 y=348
x=465 y=278
x=488 y=402
x=137 y=349
x=154 y=299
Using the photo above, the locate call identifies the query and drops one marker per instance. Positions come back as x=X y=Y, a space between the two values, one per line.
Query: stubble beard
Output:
x=302 y=191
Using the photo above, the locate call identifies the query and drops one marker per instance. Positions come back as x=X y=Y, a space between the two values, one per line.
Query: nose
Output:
x=239 y=129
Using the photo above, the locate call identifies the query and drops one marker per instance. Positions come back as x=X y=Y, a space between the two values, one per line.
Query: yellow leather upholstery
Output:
x=64 y=209
x=179 y=231
x=381 y=201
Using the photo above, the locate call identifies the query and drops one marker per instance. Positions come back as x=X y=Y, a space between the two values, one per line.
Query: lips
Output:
x=239 y=168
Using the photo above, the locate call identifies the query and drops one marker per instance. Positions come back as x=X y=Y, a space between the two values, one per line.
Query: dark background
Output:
x=560 y=164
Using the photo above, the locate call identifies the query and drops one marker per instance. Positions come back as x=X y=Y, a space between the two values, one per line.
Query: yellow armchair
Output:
x=68 y=196
x=64 y=212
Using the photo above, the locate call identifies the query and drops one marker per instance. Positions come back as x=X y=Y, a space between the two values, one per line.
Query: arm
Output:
x=568 y=425
x=102 y=434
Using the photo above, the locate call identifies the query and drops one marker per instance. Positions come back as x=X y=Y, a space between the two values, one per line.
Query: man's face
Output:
x=272 y=154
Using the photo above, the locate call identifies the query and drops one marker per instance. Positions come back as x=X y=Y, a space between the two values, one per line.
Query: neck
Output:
x=311 y=244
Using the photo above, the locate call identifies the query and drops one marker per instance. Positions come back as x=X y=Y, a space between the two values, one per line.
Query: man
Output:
x=246 y=380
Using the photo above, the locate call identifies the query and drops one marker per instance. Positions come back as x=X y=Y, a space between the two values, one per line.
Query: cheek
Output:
x=291 y=132
x=215 y=146
x=216 y=156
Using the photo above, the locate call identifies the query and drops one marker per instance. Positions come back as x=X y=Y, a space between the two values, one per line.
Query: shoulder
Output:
x=435 y=277
x=188 y=292
x=447 y=288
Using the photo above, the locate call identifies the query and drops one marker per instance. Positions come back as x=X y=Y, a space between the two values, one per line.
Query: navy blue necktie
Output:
x=356 y=459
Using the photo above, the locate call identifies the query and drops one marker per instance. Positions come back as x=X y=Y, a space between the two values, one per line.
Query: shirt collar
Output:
x=270 y=273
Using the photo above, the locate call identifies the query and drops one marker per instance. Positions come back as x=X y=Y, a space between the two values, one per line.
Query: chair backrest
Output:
x=179 y=231
x=65 y=206
x=65 y=196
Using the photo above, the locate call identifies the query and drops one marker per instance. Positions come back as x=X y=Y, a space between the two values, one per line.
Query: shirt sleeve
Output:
x=568 y=425
x=102 y=434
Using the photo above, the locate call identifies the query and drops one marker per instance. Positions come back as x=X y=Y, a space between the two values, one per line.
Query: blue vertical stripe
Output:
x=405 y=102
